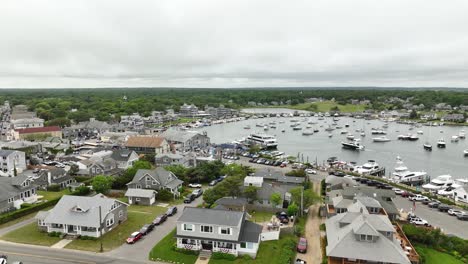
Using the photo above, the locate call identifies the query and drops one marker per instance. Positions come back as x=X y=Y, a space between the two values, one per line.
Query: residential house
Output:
x=53 y=176
x=217 y=231
x=15 y=191
x=267 y=188
x=357 y=237
x=83 y=215
x=87 y=128
x=27 y=122
x=11 y=160
x=454 y=118
x=148 y=145
x=460 y=194
x=220 y=112
x=98 y=166
x=124 y=158
x=157 y=179
x=186 y=140
x=37 y=133
x=141 y=196
x=188 y=110
x=231 y=204
x=165 y=159
x=271 y=175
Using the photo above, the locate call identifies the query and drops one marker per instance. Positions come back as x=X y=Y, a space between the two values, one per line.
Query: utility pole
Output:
x=302 y=201
x=100 y=230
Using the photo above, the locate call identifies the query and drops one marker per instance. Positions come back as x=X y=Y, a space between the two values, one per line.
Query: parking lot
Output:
x=447 y=223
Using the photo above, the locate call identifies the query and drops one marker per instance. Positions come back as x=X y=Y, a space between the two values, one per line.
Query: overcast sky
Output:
x=222 y=43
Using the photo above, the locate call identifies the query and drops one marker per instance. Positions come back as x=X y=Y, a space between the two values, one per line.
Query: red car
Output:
x=302 y=245
x=134 y=237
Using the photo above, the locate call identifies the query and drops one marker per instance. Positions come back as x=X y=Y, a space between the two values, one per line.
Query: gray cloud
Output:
x=238 y=43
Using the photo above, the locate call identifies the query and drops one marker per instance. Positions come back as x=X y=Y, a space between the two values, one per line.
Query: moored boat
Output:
x=381 y=139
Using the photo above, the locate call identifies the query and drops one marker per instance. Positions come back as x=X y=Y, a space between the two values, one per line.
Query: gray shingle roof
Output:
x=140 y=193
x=250 y=232
x=342 y=233
x=9 y=187
x=209 y=216
x=6 y=152
x=64 y=211
x=121 y=154
x=231 y=201
x=163 y=176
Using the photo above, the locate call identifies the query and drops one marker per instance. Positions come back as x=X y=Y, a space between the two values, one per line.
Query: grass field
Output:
x=260 y=217
x=326 y=106
x=52 y=195
x=268 y=253
x=30 y=234
x=164 y=251
x=433 y=256
x=137 y=217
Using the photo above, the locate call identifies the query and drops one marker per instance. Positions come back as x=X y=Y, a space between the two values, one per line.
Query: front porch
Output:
x=210 y=245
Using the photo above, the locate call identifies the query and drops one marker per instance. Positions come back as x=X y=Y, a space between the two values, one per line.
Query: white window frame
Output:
x=109 y=222
x=137 y=199
x=120 y=213
x=184 y=227
x=225 y=228
x=210 y=229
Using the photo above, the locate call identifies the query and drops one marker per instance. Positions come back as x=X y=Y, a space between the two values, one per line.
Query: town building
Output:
x=185 y=140
x=188 y=110
x=11 y=161
x=148 y=145
x=156 y=179
x=37 y=133
x=14 y=191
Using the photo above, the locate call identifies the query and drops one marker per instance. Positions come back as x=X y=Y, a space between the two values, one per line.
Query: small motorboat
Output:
x=283 y=130
x=350 y=137
x=454 y=139
x=355 y=145
x=420 y=132
x=343 y=132
x=247 y=127
x=381 y=139
x=427 y=146
x=307 y=132
x=465 y=152
x=330 y=135
x=441 y=143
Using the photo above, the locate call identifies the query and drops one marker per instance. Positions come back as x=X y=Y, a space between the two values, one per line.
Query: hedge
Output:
x=26 y=210
x=220 y=255
x=4 y=218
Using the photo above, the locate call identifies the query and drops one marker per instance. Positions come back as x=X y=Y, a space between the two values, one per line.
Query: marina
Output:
x=327 y=142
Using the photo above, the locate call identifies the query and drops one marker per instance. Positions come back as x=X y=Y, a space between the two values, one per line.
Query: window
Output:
x=120 y=213
x=225 y=230
x=148 y=178
x=363 y=237
x=138 y=186
x=10 y=200
x=137 y=199
x=369 y=238
x=154 y=183
x=33 y=191
x=110 y=222
x=187 y=227
x=242 y=245
x=206 y=229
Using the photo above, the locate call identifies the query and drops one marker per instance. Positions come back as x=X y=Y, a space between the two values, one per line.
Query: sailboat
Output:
x=427 y=146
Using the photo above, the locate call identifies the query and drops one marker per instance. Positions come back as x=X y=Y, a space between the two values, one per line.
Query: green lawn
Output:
x=137 y=217
x=52 y=195
x=433 y=256
x=164 y=251
x=260 y=216
x=30 y=234
x=326 y=106
x=268 y=253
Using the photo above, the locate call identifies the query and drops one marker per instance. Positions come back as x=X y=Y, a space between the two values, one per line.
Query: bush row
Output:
x=220 y=255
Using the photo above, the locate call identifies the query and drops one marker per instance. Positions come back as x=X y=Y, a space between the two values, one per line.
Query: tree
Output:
x=275 y=199
x=309 y=197
x=149 y=158
x=236 y=170
x=128 y=175
x=102 y=184
x=250 y=192
x=73 y=169
x=413 y=114
x=293 y=209
x=297 y=173
x=231 y=185
x=178 y=170
x=210 y=196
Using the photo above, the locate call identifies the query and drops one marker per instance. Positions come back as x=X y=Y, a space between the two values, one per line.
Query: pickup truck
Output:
x=419 y=198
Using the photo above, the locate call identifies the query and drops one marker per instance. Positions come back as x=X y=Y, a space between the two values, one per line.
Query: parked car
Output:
x=398 y=191
x=300 y=261
x=189 y=198
x=426 y=202
x=283 y=165
x=419 y=198
x=434 y=204
x=160 y=219
x=444 y=207
x=146 y=229
x=463 y=217
x=134 y=237
x=283 y=217
x=419 y=221
x=171 y=211
x=311 y=171
x=407 y=194
x=302 y=245
x=3 y=259
x=194 y=185
x=213 y=183
x=197 y=192
x=455 y=212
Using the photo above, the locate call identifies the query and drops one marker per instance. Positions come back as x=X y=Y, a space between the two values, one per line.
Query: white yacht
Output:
x=367 y=168
x=439 y=183
x=441 y=143
x=462 y=134
x=378 y=132
x=454 y=139
x=403 y=175
x=264 y=140
x=307 y=132
x=355 y=145
x=350 y=136
x=381 y=139
x=449 y=191
x=465 y=152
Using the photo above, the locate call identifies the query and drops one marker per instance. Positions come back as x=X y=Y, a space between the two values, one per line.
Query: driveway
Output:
x=140 y=250
x=447 y=223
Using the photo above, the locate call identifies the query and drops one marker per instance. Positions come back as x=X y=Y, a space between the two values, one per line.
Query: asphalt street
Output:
x=449 y=224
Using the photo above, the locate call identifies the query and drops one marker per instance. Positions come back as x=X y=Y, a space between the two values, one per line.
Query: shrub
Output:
x=186 y=251
x=7 y=217
x=25 y=205
x=83 y=179
x=288 y=252
x=82 y=191
x=53 y=188
x=323 y=246
x=54 y=234
x=88 y=238
x=220 y=255
x=165 y=195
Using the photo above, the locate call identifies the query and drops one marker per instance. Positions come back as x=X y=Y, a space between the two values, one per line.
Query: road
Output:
x=449 y=224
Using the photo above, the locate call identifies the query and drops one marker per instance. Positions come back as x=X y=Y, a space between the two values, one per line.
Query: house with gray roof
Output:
x=53 y=176
x=83 y=215
x=166 y=159
x=11 y=160
x=359 y=237
x=157 y=179
x=185 y=140
x=15 y=191
x=124 y=158
x=217 y=231
x=141 y=196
